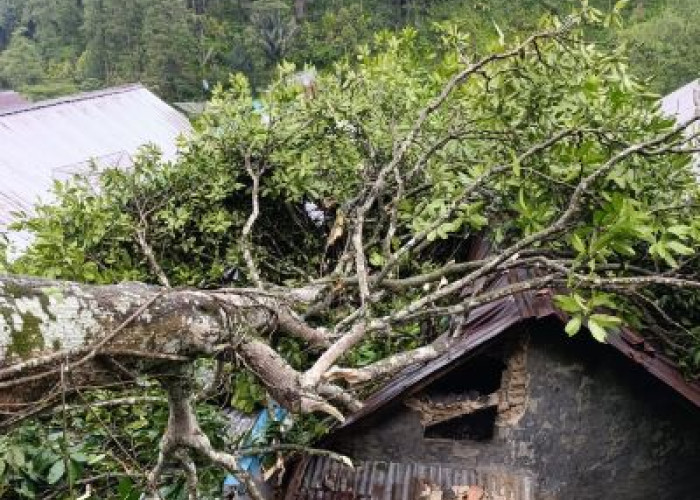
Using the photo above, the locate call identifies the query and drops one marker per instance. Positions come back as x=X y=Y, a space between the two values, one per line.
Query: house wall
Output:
x=592 y=426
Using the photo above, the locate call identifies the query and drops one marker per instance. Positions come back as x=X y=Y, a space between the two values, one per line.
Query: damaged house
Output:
x=516 y=410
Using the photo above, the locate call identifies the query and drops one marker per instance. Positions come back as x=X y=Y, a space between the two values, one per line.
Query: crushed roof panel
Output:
x=321 y=478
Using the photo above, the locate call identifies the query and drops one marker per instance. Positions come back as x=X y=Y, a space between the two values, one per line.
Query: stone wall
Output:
x=586 y=422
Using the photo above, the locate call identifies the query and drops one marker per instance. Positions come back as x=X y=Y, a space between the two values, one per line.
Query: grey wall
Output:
x=595 y=427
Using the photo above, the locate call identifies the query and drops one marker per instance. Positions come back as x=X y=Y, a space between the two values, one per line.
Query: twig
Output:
x=64 y=447
x=150 y=256
x=247 y=228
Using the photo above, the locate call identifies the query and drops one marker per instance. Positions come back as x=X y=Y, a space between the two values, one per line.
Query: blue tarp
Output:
x=251 y=463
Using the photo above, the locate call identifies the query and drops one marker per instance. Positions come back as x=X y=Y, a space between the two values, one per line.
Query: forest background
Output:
x=181 y=48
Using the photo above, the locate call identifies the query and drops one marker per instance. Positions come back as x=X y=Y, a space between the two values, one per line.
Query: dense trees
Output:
x=306 y=245
x=173 y=45
x=666 y=46
x=21 y=63
x=170 y=50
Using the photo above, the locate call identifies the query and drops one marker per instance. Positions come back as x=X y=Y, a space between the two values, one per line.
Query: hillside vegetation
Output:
x=182 y=48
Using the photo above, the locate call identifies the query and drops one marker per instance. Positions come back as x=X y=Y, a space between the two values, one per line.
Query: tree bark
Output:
x=107 y=335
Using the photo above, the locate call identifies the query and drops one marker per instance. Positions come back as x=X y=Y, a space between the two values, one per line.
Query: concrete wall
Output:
x=593 y=426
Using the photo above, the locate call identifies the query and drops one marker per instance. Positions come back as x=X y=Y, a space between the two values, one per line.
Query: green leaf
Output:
x=15 y=457
x=620 y=4
x=79 y=457
x=602 y=300
x=56 y=472
x=376 y=259
x=597 y=330
x=680 y=230
x=516 y=163
x=578 y=244
x=573 y=326
x=660 y=249
x=680 y=248
x=127 y=490
x=605 y=320
x=501 y=36
x=93 y=459
x=568 y=303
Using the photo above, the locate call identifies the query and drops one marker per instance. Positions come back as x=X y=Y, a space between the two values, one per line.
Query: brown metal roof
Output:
x=325 y=479
x=52 y=140
x=491 y=320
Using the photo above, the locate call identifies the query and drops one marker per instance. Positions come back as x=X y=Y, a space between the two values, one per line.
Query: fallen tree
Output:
x=342 y=220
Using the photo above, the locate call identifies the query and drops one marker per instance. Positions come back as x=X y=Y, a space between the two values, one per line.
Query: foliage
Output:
x=556 y=127
x=170 y=66
x=315 y=151
x=109 y=446
x=177 y=46
x=21 y=64
x=665 y=47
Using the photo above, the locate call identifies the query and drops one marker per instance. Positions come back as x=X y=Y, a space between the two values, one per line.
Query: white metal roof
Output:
x=11 y=99
x=683 y=103
x=51 y=140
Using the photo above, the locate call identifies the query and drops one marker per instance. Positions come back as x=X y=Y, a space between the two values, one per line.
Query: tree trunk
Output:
x=60 y=336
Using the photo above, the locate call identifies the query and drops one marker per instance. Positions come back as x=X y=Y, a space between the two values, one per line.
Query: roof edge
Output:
x=83 y=96
x=498 y=319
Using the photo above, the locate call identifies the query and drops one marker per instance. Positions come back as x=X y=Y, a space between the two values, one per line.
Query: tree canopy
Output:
x=315 y=244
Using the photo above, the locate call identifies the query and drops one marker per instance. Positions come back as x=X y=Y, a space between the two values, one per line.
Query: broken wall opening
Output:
x=479 y=376
x=478 y=425
x=471 y=400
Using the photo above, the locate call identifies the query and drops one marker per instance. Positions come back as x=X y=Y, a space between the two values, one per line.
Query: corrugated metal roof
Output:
x=491 y=320
x=191 y=108
x=683 y=103
x=326 y=479
x=10 y=99
x=51 y=140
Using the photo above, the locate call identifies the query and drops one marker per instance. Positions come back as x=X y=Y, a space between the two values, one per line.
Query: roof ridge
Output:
x=82 y=96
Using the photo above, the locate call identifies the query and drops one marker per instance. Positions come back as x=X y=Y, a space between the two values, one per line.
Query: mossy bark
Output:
x=107 y=335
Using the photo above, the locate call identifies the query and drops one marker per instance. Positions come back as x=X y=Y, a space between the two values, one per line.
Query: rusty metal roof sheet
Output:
x=54 y=139
x=491 y=320
x=10 y=99
x=325 y=479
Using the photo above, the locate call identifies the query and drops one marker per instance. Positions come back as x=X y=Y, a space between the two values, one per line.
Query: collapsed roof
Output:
x=489 y=321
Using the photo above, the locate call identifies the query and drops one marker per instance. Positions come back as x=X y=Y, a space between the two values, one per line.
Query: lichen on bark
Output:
x=34 y=319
